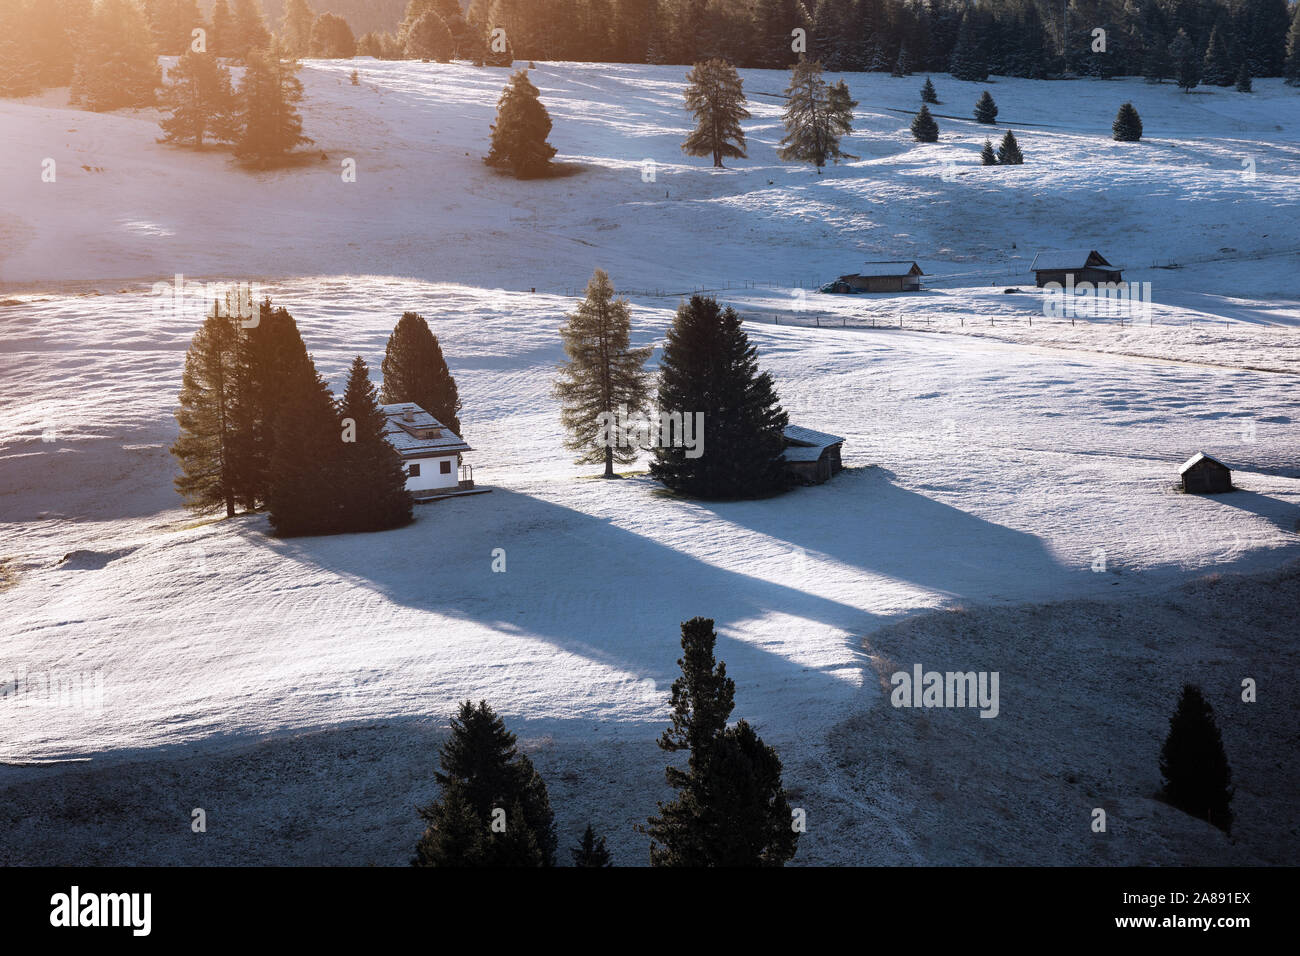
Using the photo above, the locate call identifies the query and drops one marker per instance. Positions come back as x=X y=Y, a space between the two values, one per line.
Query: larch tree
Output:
x=207 y=447
x=415 y=370
x=709 y=368
x=270 y=126
x=519 y=134
x=816 y=116
x=374 y=478
x=603 y=377
x=199 y=96
x=715 y=95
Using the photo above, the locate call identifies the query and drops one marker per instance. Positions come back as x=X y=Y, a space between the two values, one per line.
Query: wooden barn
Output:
x=1073 y=266
x=811 y=457
x=1203 y=475
x=883 y=277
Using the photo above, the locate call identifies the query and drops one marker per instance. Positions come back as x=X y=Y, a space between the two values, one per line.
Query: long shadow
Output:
x=1283 y=514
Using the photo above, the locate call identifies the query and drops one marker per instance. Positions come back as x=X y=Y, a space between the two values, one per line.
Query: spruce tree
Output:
x=591 y=851
x=1193 y=763
x=222 y=39
x=1009 y=151
x=928 y=94
x=1127 y=127
x=207 y=447
x=816 y=116
x=200 y=99
x=968 y=60
x=986 y=111
x=730 y=808
x=1217 y=69
x=484 y=779
x=709 y=367
x=415 y=370
x=924 y=128
x=270 y=126
x=902 y=65
x=1157 y=64
x=1187 y=70
x=296 y=27
x=1244 y=84
x=374 y=478
x=987 y=156
x=116 y=66
x=332 y=38
x=429 y=38
x=519 y=134
x=715 y=95
x=604 y=376
x=248 y=31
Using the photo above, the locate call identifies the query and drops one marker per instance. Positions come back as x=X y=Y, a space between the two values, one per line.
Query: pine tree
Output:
x=199 y=96
x=1009 y=151
x=1187 y=70
x=816 y=117
x=519 y=134
x=924 y=128
x=927 y=93
x=604 y=376
x=1127 y=127
x=485 y=780
x=987 y=156
x=1193 y=764
x=429 y=38
x=715 y=95
x=709 y=367
x=116 y=66
x=296 y=27
x=415 y=370
x=730 y=808
x=986 y=111
x=1217 y=68
x=332 y=38
x=270 y=126
x=374 y=478
x=206 y=448
x=248 y=31
x=1243 y=79
x=591 y=851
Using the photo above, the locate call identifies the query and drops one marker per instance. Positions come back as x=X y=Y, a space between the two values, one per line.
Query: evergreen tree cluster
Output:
x=259 y=427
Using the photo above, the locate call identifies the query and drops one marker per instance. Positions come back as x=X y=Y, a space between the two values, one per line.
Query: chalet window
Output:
x=446 y=467
x=413 y=471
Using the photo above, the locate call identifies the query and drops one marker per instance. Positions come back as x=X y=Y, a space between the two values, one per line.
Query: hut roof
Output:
x=806 y=444
x=1068 y=259
x=1199 y=457
x=877 y=270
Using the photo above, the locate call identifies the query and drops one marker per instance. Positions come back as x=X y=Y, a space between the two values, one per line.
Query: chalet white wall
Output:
x=431 y=473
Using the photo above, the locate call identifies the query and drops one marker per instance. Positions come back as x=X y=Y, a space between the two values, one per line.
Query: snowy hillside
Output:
x=1017 y=478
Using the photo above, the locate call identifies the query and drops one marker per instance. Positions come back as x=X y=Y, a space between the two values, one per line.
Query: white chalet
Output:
x=430 y=450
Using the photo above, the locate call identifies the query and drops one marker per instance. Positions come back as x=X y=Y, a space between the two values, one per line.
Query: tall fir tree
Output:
x=969 y=60
x=207 y=448
x=1009 y=151
x=332 y=38
x=485 y=780
x=987 y=156
x=708 y=367
x=1187 y=69
x=924 y=128
x=1127 y=127
x=928 y=94
x=1244 y=84
x=249 y=34
x=374 y=478
x=986 y=111
x=816 y=117
x=1216 y=70
x=270 y=126
x=519 y=134
x=201 y=102
x=1193 y=763
x=730 y=808
x=415 y=370
x=116 y=65
x=591 y=850
x=222 y=39
x=715 y=95
x=603 y=378
x=296 y=27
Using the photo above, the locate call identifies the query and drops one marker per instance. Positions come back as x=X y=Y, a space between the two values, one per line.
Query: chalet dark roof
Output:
x=423 y=436
x=1196 y=459
x=1069 y=259
x=882 y=269
x=805 y=444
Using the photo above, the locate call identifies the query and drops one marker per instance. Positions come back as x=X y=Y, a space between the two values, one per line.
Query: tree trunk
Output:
x=609 y=462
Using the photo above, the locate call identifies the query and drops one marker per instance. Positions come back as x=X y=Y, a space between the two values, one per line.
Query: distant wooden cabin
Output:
x=1084 y=265
x=811 y=457
x=883 y=277
x=1203 y=475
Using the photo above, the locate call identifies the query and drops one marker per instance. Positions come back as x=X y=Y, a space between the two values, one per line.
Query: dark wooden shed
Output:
x=1073 y=266
x=903 y=276
x=811 y=457
x=1203 y=475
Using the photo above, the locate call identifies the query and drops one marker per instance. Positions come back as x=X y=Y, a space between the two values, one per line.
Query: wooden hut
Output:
x=884 y=277
x=1203 y=475
x=1073 y=266
x=811 y=457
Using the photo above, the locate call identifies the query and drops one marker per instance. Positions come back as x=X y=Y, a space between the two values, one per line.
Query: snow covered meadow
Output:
x=1009 y=502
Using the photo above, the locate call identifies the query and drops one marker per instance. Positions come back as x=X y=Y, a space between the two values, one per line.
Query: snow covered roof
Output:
x=805 y=444
x=876 y=270
x=1199 y=457
x=417 y=434
x=1068 y=259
